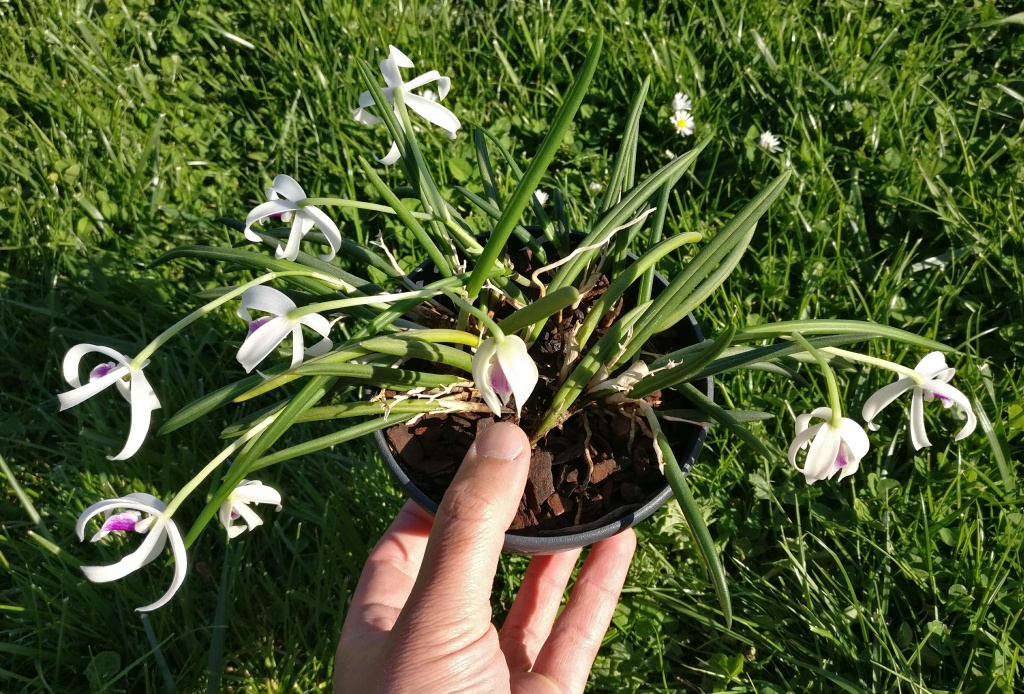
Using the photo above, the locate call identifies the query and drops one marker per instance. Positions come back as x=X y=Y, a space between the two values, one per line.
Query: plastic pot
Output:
x=687 y=449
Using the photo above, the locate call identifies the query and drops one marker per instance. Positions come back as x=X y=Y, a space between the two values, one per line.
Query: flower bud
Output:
x=502 y=369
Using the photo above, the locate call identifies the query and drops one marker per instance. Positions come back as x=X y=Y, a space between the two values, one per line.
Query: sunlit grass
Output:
x=128 y=127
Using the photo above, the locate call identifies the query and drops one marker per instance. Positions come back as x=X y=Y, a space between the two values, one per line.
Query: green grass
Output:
x=128 y=127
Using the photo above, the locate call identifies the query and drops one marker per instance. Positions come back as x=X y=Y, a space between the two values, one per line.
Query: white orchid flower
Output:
x=268 y=332
x=836 y=446
x=502 y=369
x=131 y=383
x=426 y=106
x=237 y=506
x=158 y=529
x=933 y=384
x=284 y=198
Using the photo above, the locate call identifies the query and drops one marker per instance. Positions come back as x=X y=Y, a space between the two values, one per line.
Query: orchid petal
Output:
x=519 y=368
x=180 y=567
x=298 y=347
x=301 y=226
x=855 y=439
x=125 y=521
x=142 y=397
x=315 y=321
x=320 y=348
x=266 y=299
x=434 y=112
x=329 y=229
x=931 y=364
x=288 y=188
x=821 y=457
x=255 y=492
x=251 y=518
x=958 y=398
x=421 y=80
x=264 y=210
x=83 y=393
x=444 y=84
x=482 y=365
x=918 y=434
x=131 y=563
x=801 y=440
x=804 y=420
x=262 y=342
x=74 y=357
x=393 y=155
x=883 y=396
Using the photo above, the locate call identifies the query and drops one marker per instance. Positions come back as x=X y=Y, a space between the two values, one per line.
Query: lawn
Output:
x=128 y=127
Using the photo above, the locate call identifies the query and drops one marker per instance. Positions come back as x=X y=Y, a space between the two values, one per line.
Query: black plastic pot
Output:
x=686 y=450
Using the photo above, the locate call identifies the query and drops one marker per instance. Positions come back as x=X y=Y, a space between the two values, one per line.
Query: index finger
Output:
x=469 y=529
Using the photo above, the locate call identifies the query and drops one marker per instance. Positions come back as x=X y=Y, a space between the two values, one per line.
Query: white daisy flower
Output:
x=682 y=102
x=683 y=123
x=769 y=143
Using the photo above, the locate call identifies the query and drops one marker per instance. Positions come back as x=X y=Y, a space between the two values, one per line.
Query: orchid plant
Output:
x=465 y=333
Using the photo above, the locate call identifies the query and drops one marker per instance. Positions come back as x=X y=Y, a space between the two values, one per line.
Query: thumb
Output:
x=454 y=582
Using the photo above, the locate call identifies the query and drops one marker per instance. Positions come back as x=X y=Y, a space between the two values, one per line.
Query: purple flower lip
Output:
x=499 y=381
x=257 y=324
x=121 y=522
x=101 y=371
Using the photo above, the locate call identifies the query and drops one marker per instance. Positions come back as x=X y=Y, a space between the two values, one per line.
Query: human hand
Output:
x=420 y=618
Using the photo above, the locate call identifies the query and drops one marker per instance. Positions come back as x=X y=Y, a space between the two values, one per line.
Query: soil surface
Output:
x=597 y=467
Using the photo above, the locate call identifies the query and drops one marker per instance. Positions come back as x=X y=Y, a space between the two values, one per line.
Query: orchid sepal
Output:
x=503 y=368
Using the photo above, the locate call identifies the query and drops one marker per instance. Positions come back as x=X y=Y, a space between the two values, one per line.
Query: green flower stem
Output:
x=360 y=205
x=835 y=402
x=875 y=361
x=166 y=335
x=818 y=326
x=214 y=464
x=480 y=315
x=433 y=195
x=405 y=214
x=389 y=407
x=381 y=299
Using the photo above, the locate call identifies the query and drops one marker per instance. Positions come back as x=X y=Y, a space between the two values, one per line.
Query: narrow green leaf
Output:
x=626 y=278
x=539 y=311
x=483 y=159
x=632 y=201
x=670 y=377
x=624 y=169
x=533 y=175
x=334 y=439
x=708 y=407
x=818 y=326
x=314 y=390
x=698 y=417
x=211 y=401
x=657 y=228
x=680 y=290
x=699 y=528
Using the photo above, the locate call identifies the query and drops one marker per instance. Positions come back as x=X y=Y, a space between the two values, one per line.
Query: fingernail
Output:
x=502 y=441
